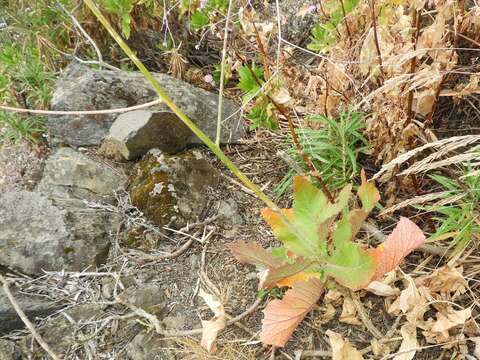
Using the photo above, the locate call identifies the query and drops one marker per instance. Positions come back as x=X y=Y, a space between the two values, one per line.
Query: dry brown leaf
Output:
x=409 y=335
x=349 y=312
x=451 y=319
x=212 y=327
x=327 y=313
x=381 y=289
x=446 y=280
x=342 y=349
x=332 y=296
x=424 y=100
x=368 y=53
x=412 y=302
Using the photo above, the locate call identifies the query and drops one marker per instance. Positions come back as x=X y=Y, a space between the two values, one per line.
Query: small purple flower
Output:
x=208 y=79
x=311 y=9
x=202 y=4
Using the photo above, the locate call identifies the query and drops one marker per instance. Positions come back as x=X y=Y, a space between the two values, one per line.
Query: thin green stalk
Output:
x=177 y=111
x=222 y=75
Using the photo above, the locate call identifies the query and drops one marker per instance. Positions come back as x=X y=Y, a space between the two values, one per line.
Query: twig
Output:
x=222 y=75
x=346 y=22
x=83 y=32
x=364 y=317
x=375 y=36
x=158 y=327
x=81 y=112
x=26 y=321
x=413 y=63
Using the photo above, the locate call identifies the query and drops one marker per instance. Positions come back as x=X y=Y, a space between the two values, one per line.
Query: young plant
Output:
x=457 y=213
x=15 y=128
x=319 y=247
x=324 y=34
x=263 y=111
x=333 y=148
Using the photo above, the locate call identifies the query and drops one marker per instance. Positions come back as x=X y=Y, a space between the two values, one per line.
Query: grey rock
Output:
x=36 y=234
x=228 y=212
x=136 y=132
x=149 y=346
x=295 y=28
x=8 y=350
x=60 y=333
x=148 y=297
x=33 y=306
x=82 y=88
x=72 y=175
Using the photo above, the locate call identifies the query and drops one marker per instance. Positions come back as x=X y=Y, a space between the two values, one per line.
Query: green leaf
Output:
x=306 y=232
x=368 y=194
x=351 y=266
x=248 y=82
x=198 y=20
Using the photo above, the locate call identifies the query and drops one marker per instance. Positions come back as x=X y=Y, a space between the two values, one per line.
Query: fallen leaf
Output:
x=381 y=289
x=446 y=280
x=253 y=253
x=451 y=319
x=281 y=317
x=409 y=335
x=327 y=313
x=402 y=241
x=342 y=349
x=212 y=327
x=282 y=96
x=349 y=312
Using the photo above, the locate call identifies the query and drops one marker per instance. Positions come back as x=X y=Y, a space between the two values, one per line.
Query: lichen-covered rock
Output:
x=71 y=174
x=82 y=88
x=37 y=233
x=134 y=133
x=172 y=189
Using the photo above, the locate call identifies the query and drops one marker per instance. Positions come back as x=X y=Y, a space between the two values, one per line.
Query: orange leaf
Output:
x=402 y=241
x=283 y=316
x=253 y=253
x=301 y=276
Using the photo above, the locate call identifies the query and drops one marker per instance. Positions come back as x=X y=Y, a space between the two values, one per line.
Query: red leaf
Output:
x=253 y=253
x=402 y=241
x=283 y=316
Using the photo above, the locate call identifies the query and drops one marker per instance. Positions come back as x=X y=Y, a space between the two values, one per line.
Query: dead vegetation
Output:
x=413 y=66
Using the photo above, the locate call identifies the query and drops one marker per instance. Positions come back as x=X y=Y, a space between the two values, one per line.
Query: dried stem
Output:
x=375 y=36
x=26 y=321
x=413 y=63
x=346 y=22
x=82 y=112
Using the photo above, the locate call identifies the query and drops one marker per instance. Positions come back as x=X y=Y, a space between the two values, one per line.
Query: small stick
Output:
x=363 y=315
x=346 y=22
x=26 y=321
x=375 y=36
x=413 y=63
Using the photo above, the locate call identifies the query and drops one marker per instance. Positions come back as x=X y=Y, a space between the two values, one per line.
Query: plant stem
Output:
x=177 y=111
x=222 y=75
x=375 y=36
